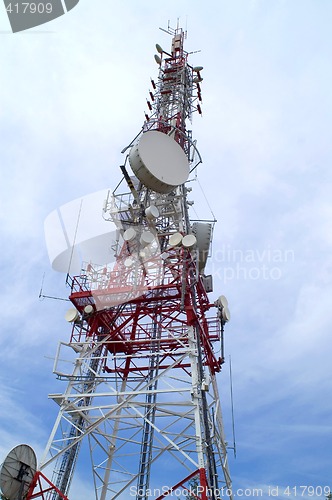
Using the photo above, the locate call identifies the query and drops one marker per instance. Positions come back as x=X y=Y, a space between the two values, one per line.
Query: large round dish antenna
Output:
x=17 y=472
x=159 y=161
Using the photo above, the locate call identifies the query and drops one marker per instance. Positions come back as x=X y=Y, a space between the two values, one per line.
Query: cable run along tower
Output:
x=146 y=341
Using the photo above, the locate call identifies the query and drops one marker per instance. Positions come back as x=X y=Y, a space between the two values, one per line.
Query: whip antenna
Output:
x=232 y=404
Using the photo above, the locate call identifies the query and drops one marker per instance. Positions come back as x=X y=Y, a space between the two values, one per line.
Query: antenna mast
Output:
x=143 y=391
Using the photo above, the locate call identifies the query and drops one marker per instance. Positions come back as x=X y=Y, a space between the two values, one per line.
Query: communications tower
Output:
x=146 y=339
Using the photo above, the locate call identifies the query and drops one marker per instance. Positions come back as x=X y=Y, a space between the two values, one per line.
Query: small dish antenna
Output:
x=198 y=79
x=72 y=315
x=88 y=309
x=226 y=315
x=221 y=301
x=189 y=241
x=17 y=472
x=129 y=234
x=157 y=59
x=146 y=238
x=152 y=212
x=129 y=261
x=175 y=239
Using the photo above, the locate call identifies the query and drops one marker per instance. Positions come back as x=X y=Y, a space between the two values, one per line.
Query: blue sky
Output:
x=73 y=94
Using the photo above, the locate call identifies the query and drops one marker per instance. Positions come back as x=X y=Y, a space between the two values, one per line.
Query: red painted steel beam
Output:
x=37 y=482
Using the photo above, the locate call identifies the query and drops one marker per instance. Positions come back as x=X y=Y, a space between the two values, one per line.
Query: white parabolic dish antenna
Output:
x=159 y=161
x=17 y=472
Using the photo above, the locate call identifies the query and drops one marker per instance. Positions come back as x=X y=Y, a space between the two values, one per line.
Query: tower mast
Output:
x=143 y=391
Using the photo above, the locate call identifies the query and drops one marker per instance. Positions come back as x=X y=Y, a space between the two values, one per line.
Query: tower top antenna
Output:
x=175 y=31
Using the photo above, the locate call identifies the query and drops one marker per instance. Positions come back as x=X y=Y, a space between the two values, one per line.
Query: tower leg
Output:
x=42 y=487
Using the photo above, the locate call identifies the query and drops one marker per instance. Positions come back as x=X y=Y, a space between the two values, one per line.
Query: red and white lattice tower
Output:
x=143 y=390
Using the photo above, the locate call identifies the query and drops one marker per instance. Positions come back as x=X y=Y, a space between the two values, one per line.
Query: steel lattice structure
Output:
x=143 y=389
